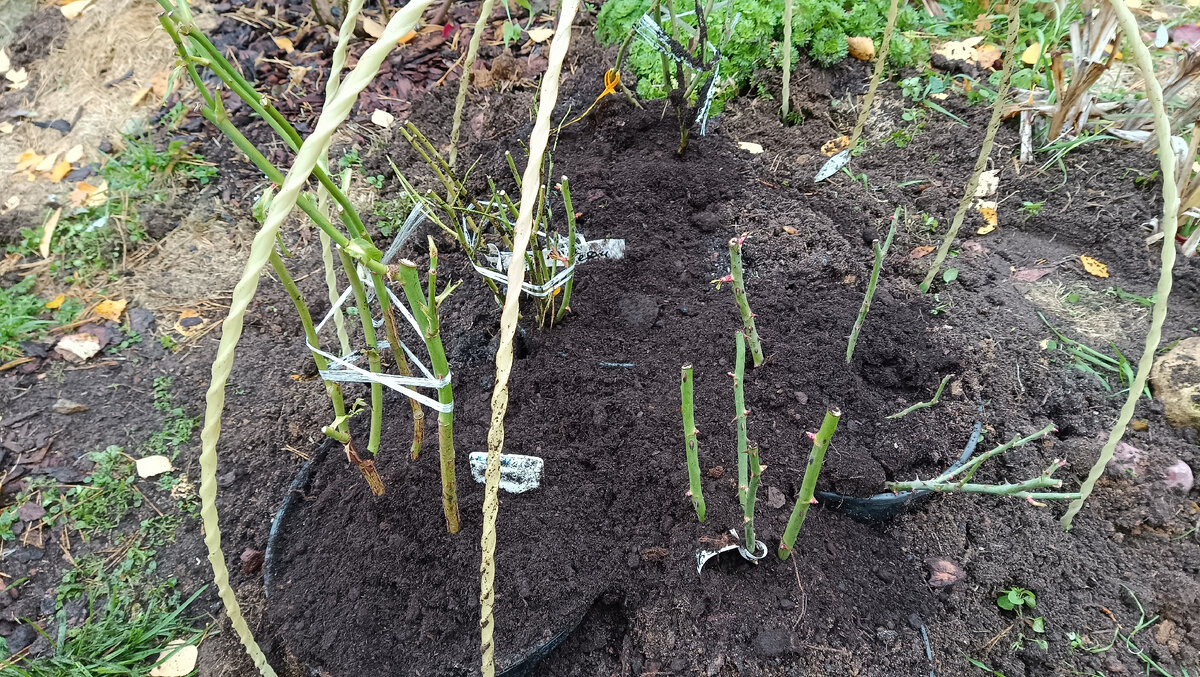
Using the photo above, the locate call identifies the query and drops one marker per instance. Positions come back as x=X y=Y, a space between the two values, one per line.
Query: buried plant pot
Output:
x=889 y=504
x=518 y=662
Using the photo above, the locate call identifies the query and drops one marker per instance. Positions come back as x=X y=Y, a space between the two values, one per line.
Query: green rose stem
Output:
x=737 y=277
x=740 y=415
x=751 y=496
x=816 y=458
x=367 y=467
x=880 y=253
x=333 y=389
x=566 y=299
x=691 y=447
x=424 y=305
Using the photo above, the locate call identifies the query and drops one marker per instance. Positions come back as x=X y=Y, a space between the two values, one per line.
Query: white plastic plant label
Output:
x=832 y=166
x=518 y=473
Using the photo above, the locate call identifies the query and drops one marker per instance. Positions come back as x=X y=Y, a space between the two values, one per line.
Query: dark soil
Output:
x=610 y=529
x=37 y=34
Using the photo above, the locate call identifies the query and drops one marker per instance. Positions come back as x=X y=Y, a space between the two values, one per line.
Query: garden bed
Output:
x=611 y=530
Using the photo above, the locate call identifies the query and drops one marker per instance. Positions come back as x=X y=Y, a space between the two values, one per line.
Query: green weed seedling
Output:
x=177 y=427
x=1032 y=209
x=20 y=317
x=1020 y=600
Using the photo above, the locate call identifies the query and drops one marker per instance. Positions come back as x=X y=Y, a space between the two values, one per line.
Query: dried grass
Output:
x=1096 y=316
x=107 y=41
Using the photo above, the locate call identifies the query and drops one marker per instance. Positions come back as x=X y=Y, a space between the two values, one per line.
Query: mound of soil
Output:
x=369 y=586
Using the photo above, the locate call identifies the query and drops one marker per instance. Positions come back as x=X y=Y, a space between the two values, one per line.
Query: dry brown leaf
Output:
x=987 y=55
x=75 y=154
x=60 y=170
x=159 y=82
x=982 y=23
x=98 y=196
x=835 y=146
x=72 y=10
x=48 y=233
x=47 y=163
x=923 y=250
x=372 y=28
x=153 y=466
x=110 y=310
x=958 y=50
x=382 y=118
x=791 y=230
x=77 y=347
x=861 y=47
x=285 y=44
x=540 y=34
x=1093 y=266
x=1031 y=274
x=17 y=78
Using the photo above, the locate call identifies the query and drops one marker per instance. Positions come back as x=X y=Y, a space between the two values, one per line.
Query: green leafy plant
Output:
x=20 y=316
x=1032 y=209
x=1021 y=600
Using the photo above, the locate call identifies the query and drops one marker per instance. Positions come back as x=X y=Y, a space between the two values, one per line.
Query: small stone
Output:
x=772 y=642
x=775 y=498
x=226 y=480
x=885 y=575
x=716 y=472
x=706 y=221
x=25 y=555
x=1175 y=380
x=21 y=637
x=65 y=406
x=801 y=397
x=252 y=561
x=31 y=511
x=1179 y=476
x=944 y=573
x=1127 y=461
x=141 y=320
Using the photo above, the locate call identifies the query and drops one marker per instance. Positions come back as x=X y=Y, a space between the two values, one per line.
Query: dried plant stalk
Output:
x=485 y=11
x=690 y=446
x=538 y=140
x=989 y=137
x=1166 y=158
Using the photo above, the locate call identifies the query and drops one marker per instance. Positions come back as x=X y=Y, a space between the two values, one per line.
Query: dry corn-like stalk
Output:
x=787 y=74
x=816 y=458
x=485 y=12
x=1010 y=48
x=260 y=252
x=876 y=75
x=1170 y=221
x=530 y=184
x=691 y=448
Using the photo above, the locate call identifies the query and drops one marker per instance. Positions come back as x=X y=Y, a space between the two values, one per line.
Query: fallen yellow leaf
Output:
x=72 y=10
x=1093 y=267
x=60 y=170
x=57 y=302
x=110 y=310
x=139 y=96
x=990 y=221
x=835 y=146
x=28 y=160
x=75 y=154
x=285 y=44
x=958 y=50
x=152 y=466
x=1030 y=56
x=47 y=163
x=48 y=233
x=406 y=38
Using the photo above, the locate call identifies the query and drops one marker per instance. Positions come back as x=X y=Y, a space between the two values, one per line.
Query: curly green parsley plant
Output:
x=819 y=27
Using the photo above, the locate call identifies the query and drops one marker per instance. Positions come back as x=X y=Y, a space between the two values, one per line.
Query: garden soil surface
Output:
x=370 y=586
